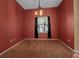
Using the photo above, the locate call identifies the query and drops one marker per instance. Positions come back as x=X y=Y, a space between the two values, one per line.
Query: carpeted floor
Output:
x=39 y=49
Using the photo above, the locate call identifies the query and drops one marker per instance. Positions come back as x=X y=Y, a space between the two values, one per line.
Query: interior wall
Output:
x=76 y=24
x=66 y=22
x=15 y=23
x=29 y=22
x=11 y=16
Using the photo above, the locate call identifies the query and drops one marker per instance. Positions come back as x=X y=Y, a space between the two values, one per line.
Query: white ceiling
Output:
x=33 y=4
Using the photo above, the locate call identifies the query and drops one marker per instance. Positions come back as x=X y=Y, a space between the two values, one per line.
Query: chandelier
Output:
x=39 y=10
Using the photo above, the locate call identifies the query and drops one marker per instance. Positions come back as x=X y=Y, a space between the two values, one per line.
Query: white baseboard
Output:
x=66 y=45
x=39 y=39
x=19 y=43
x=76 y=51
x=11 y=47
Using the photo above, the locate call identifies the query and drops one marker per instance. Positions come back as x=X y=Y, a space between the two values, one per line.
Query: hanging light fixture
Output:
x=39 y=10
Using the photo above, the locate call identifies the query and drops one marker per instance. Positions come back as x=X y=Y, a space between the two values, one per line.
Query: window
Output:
x=42 y=24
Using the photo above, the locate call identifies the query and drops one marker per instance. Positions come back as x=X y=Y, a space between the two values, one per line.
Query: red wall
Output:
x=17 y=23
x=29 y=22
x=66 y=22
x=11 y=15
x=43 y=35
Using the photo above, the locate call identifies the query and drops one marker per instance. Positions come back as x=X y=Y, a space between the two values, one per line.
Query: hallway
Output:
x=39 y=48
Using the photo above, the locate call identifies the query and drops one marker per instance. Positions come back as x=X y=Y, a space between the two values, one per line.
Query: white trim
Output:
x=66 y=45
x=11 y=47
x=20 y=42
x=39 y=39
x=76 y=51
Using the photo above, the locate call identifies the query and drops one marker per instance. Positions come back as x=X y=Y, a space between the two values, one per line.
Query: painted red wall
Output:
x=43 y=35
x=29 y=22
x=66 y=22
x=17 y=23
x=11 y=15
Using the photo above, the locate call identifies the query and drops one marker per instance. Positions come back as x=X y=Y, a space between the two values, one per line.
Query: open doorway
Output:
x=42 y=27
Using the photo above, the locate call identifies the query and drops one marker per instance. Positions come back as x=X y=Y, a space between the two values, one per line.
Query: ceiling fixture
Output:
x=39 y=10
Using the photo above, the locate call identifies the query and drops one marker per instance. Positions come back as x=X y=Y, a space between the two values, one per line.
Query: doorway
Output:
x=42 y=27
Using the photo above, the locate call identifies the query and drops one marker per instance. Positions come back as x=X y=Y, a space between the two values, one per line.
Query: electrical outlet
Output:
x=68 y=40
x=10 y=41
x=13 y=39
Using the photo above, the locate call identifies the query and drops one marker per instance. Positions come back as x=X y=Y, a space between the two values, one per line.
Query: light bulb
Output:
x=41 y=12
x=36 y=13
